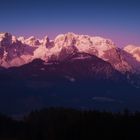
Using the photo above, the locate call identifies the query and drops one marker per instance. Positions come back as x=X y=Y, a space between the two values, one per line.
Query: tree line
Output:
x=71 y=124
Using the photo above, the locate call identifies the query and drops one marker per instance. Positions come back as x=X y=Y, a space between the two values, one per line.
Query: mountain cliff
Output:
x=16 y=51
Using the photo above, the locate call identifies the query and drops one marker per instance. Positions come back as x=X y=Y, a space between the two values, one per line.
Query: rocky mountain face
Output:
x=100 y=47
x=13 y=52
x=18 y=51
x=134 y=50
x=132 y=54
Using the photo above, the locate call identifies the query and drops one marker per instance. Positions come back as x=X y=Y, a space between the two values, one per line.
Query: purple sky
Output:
x=118 y=20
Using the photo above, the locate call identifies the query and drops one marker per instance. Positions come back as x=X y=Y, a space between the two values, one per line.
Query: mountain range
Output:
x=16 y=51
x=72 y=70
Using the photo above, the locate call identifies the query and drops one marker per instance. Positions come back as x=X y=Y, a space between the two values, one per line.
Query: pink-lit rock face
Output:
x=18 y=51
x=133 y=56
x=134 y=51
x=32 y=41
x=5 y=39
x=98 y=46
x=13 y=52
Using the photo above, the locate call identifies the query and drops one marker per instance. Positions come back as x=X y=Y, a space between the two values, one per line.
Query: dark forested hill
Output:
x=60 y=123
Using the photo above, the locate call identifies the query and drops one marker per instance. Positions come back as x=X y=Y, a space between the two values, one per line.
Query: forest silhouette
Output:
x=71 y=124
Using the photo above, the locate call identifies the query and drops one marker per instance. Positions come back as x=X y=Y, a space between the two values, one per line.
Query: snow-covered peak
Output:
x=132 y=55
x=129 y=48
x=32 y=41
x=134 y=51
x=46 y=42
x=22 y=39
x=13 y=51
x=5 y=39
x=94 y=45
x=63 y=36
x=64 y=44
x=31 y=38
x=3 y=35
x=65 y=40
x=14 y=39
x=102 y=44
x=84 y=42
